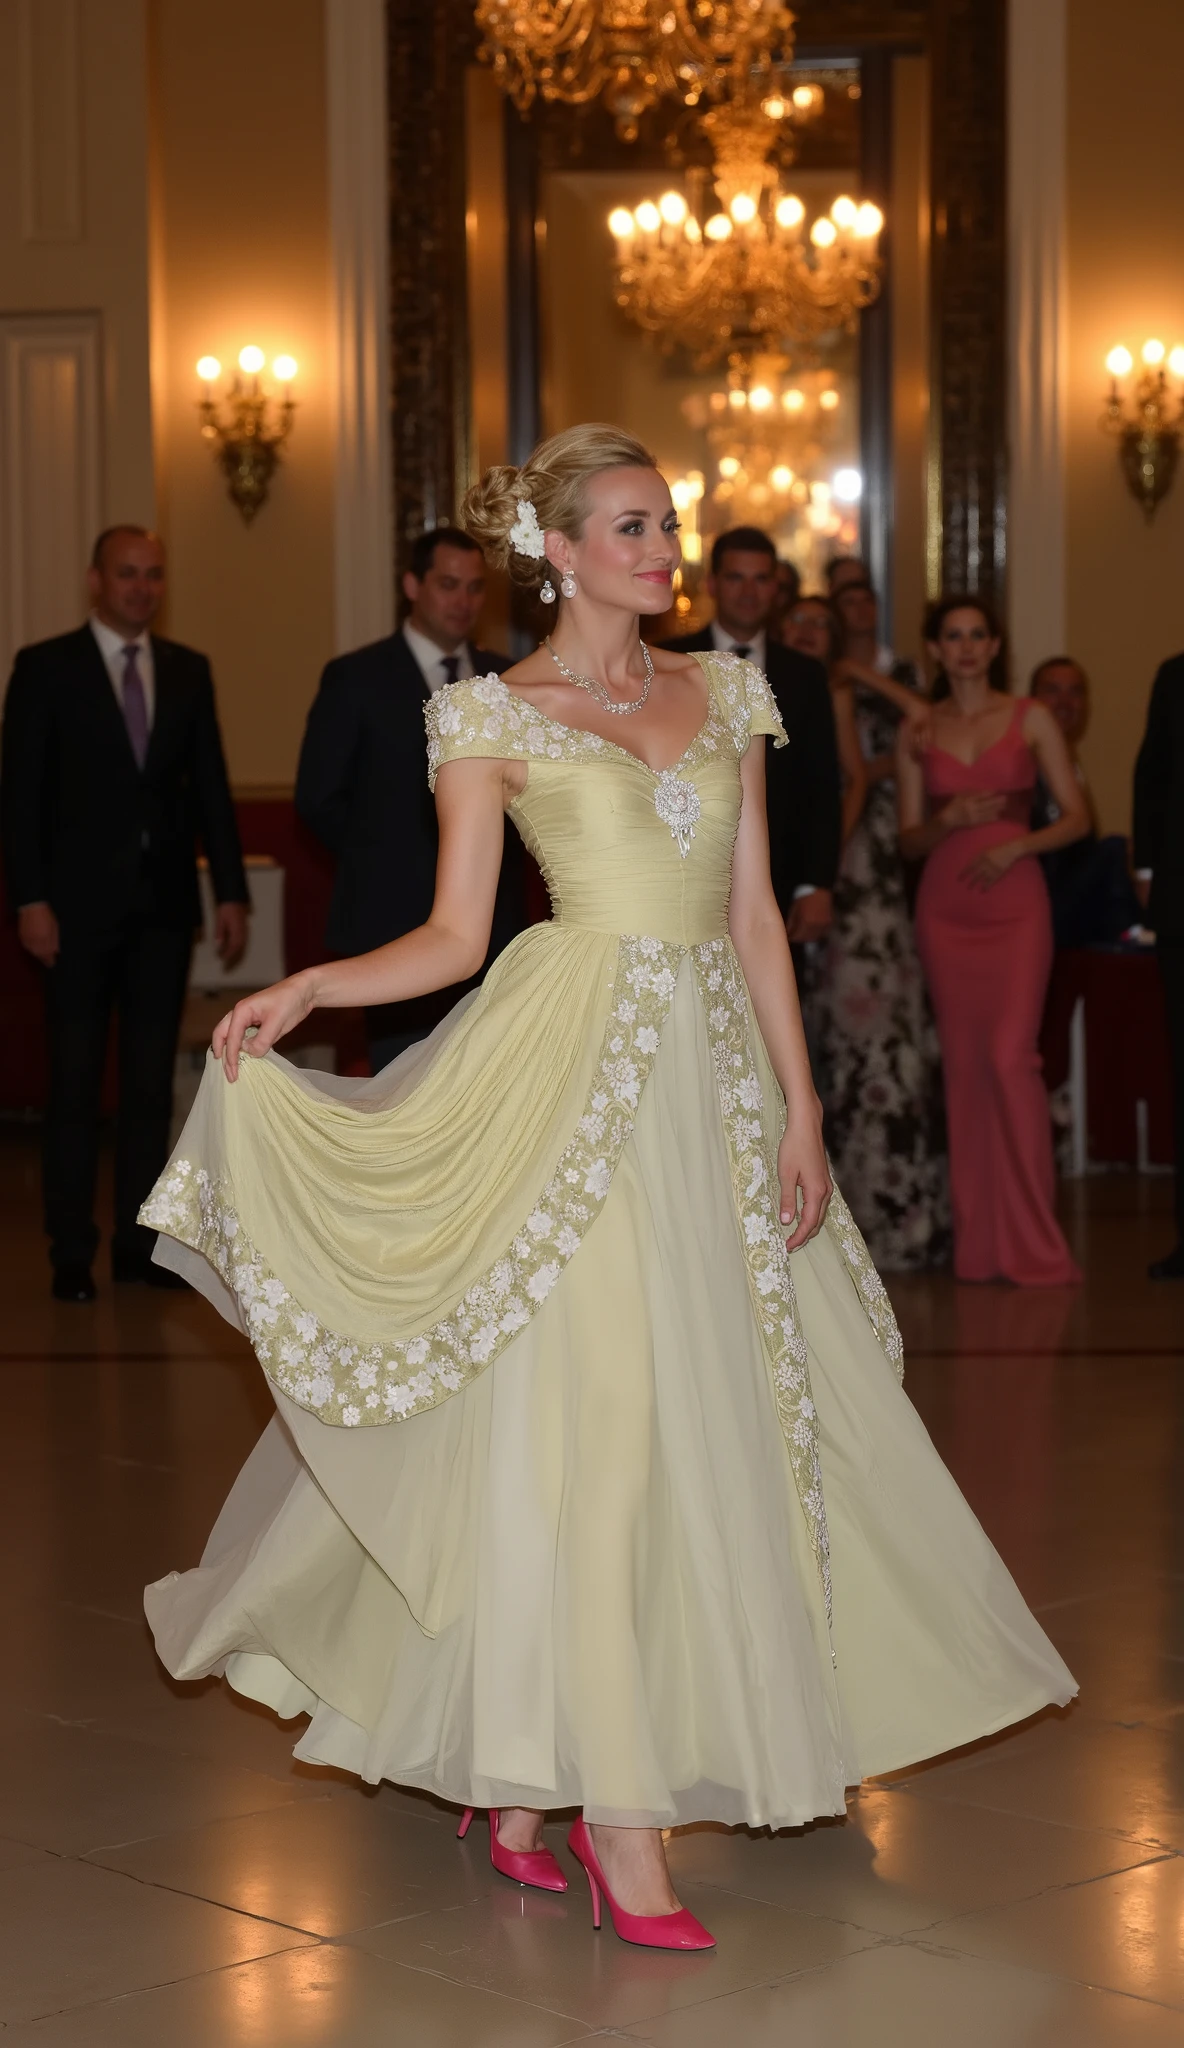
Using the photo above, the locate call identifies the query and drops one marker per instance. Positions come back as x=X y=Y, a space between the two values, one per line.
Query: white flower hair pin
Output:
x=526 y=535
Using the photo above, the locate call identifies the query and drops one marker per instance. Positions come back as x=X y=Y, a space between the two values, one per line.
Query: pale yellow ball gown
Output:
x=581 y=1490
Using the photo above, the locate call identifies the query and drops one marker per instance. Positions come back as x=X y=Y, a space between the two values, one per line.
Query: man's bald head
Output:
x=126 y=578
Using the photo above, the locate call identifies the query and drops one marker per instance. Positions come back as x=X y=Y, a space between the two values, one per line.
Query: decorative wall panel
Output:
x=363 y=535
x=427 y=50
x=969 y=293
x=1037 y=114
x=51 y=120
x=50 y=470
x=863 y=24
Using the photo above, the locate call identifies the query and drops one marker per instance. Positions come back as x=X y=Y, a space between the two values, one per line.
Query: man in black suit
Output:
x=1159 y=878
x=111 y=768
x=803 y=778
x=362 y=785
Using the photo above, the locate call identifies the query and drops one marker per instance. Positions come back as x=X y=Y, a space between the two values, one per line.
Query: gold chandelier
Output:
x=745 y=277
x=632 y=53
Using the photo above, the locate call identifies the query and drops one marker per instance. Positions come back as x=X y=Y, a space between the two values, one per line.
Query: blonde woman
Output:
x=586 y=1389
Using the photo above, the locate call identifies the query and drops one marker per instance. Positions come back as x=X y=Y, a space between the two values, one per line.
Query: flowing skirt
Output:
x=586 y=1579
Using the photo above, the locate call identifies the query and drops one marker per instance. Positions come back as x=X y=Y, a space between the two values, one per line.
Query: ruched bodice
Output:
x=609 y=862
x=624 y=848
x=1006 y=769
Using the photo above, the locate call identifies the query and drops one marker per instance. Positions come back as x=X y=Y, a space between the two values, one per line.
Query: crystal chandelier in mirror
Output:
x=782 y=449
x=632 y=53
x=748 y=273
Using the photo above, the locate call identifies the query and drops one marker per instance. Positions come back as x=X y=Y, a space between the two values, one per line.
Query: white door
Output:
x=50 y=472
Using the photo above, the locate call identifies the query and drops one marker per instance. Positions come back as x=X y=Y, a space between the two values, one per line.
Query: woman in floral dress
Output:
x=878 y=1064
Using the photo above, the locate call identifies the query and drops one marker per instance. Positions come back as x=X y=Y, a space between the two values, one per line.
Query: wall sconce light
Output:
x=1147 y=425
x=252 y=427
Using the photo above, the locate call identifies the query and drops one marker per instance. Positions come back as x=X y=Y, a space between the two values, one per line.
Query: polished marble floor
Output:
x=168 y=1875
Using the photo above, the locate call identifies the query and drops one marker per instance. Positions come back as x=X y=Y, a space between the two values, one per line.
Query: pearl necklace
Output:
x=598 y=691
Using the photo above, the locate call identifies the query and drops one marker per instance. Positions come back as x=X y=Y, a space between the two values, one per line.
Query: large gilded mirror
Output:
x=880 y=435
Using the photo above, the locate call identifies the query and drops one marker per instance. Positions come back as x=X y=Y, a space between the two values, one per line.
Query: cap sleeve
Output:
x=747 y=702
x=473 y=721
x=763 y=715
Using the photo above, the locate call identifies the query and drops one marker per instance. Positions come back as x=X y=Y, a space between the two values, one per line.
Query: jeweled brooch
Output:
x=677 y=804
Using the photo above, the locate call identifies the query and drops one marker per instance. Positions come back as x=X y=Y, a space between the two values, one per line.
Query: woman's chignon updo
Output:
x=555 y=479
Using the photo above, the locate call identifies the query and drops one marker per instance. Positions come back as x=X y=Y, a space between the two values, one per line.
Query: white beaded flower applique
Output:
x=526 y=535
x=677 y=804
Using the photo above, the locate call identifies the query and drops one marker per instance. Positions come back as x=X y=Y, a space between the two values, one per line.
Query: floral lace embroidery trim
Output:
x=754 y=1182
x=746 y=696
x=485 y=712
x=350 y=1382
x=868 y=1285
x=474 y=714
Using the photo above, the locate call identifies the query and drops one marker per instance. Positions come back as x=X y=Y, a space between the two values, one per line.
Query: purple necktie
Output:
x=450 y=663
x=135 y=704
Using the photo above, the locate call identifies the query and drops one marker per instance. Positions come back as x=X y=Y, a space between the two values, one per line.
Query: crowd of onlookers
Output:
x=924 y=1014
x=931 y=834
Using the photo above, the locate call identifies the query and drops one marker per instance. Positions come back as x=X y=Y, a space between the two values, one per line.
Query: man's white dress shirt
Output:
x=111 y=646
x=726 y=643
x=430 y=659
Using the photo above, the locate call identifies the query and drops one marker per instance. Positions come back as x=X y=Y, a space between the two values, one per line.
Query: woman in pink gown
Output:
x=984 y=932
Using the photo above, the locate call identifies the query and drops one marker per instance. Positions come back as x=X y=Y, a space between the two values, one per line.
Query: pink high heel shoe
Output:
x=648 y=1930
x=525 y=1866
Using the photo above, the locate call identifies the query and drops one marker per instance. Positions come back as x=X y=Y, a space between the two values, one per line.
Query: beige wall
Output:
x=1125 y=581
x=73 y=127
x=182 y=194
x=241 y=247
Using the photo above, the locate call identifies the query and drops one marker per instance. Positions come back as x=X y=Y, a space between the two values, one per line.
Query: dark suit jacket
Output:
x=84 y=828
x=362 y=787
x=804 y=785
x=1159 y=801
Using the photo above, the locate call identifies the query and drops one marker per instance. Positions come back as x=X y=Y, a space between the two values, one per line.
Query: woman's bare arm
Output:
x=881 y=767
x=851 y=759
x=919 y=834
x=758 y=934
x=914 y=704
x=1047 y=742
x=470 y=803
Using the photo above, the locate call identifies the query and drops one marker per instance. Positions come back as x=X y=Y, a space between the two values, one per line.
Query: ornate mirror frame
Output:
x=428 y=49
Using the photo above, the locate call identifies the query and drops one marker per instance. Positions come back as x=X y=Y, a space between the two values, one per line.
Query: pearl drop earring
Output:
x=547 y=593
x=568 y=584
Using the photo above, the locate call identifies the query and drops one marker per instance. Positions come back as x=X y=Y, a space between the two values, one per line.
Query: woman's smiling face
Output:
x=628 y=549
